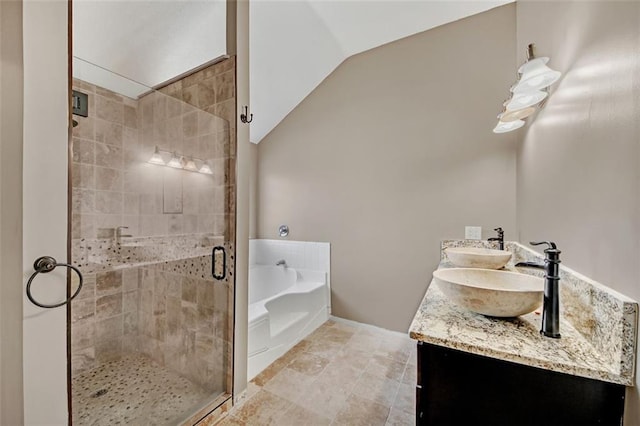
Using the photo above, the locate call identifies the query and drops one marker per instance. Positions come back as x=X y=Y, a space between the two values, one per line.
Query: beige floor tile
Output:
x=297 y=416
x=365 y=341
x=261 y=409
x=324 y=402
x=231 y=421
x=361 y=412
x=289 y=384
x=376 y=389
x=338 y=335
x=400 y=418
x=271 y=371
x=325 y=349
x=406 y=399
x=309 y=364
x=252 y=389
x=301 y=346
x=396 y=347
x=410 y=375
x=327 y=395
x=385 y=367
x=353 y=357
x=339 y=375
x=317 y=333
x=339 y=325
x=413 y=355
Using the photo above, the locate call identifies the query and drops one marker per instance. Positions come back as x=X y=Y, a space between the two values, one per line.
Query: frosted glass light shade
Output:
x=156 y=158
x=523 y=100
x=206 y=169
x=504 y=127
x=536 y=75
x=191 y=165
x=508 y=116
x=175 y=162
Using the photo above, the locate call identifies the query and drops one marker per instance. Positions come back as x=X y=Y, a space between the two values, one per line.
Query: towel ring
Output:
x=46 y=264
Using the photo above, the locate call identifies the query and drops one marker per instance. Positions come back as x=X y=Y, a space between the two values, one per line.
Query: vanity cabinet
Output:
x=460 y=388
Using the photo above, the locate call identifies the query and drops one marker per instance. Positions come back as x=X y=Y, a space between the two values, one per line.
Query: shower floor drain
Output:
x=99 y=393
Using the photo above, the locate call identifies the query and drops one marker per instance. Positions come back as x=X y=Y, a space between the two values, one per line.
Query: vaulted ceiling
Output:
x=294 y=44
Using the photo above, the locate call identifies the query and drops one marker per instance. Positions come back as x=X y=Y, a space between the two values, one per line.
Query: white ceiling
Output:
x=149 y=41
x=294 y=44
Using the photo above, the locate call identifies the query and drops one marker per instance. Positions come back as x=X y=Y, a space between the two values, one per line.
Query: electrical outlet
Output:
x=473 y=232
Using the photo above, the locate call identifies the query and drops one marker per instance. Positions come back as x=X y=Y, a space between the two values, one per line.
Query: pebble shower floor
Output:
x=133 y=390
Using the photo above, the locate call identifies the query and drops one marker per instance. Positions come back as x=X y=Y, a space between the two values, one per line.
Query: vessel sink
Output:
x=490 y=292
x=471 y=257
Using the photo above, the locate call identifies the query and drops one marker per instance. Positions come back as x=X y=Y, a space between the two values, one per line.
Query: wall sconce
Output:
x=190 y=165
x=534 y=79
x=504 y=127
x=178 y=161
x=156 y=158
x=206 y=169
x=175 y=162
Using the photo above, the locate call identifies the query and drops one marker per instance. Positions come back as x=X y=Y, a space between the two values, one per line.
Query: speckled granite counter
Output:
x=598 y=327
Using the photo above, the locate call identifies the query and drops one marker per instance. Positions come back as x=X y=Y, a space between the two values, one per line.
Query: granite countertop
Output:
x=439 y=321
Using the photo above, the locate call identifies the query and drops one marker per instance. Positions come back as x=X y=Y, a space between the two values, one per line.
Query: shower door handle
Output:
x=219 y=253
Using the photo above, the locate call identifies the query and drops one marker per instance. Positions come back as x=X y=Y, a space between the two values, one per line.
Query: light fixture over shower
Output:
x=534 y=79
x=178 y=161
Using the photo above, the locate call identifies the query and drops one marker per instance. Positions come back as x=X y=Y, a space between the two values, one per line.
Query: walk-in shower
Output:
x=151 y=330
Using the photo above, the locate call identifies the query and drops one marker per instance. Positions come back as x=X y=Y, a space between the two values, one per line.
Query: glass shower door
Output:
x=152 y=194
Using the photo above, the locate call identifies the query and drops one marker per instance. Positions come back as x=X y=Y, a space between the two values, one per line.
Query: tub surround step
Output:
x=598 y=327
x=286 y=304
x=284 y=321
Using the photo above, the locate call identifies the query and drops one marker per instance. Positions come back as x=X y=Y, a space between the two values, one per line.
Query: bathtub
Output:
x=285 y=305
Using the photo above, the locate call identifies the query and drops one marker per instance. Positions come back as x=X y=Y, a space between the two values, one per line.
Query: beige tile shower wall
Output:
x=184 y=325
x=104 y=318
x=213 y=90
x=198 y=203
x=98 y=162
x=113 y=185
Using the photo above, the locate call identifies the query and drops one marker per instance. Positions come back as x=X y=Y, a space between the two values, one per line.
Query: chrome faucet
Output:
x=120 y=235
x=499 y=238
x=281 y=262
x=551 y=306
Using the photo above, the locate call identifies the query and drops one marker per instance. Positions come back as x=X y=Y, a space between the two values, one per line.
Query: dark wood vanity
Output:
x=459 y=388
x=475 y=369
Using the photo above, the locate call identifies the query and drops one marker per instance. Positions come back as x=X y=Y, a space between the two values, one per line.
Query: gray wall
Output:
x=238 y=33
x=579 y=161
x=253 y=190
x=11 y=120
x=392 y=153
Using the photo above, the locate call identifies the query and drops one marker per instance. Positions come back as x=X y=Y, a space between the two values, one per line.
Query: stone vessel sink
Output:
x=490 y=292
x=471 y=257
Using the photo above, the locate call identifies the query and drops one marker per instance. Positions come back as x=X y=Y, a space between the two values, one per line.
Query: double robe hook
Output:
x=245 y=118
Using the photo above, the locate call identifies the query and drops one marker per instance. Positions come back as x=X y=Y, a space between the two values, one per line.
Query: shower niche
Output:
x=151 y=333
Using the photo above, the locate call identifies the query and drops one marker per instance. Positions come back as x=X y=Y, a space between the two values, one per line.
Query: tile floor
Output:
x=134 y=390
x=342 y=374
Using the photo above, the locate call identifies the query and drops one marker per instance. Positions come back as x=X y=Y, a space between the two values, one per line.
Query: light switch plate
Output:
x=473 y=232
